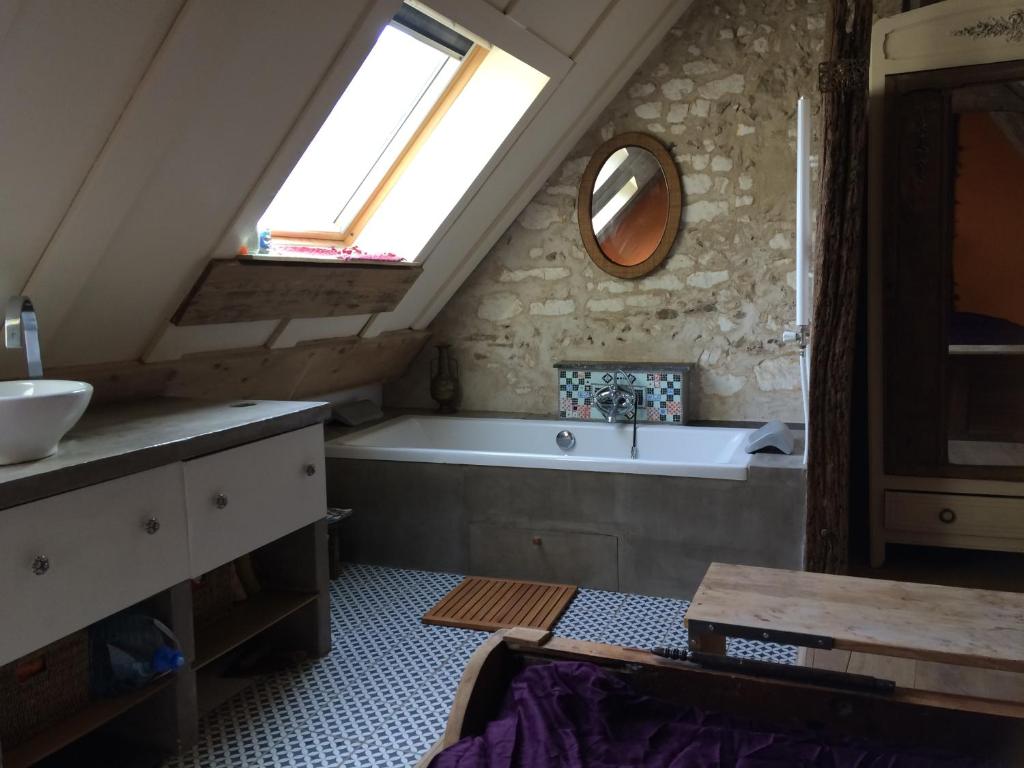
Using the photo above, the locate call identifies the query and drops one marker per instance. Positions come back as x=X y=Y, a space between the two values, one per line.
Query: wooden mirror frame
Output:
x=584 y=200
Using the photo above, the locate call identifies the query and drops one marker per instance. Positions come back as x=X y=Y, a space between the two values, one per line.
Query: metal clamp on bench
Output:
x=793 y=672
x=697 y=627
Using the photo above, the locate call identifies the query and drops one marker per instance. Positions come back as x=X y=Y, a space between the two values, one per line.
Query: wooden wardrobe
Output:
x=946 y=278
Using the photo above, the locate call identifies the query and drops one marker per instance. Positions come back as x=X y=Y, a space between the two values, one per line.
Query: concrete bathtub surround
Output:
x=647 y=533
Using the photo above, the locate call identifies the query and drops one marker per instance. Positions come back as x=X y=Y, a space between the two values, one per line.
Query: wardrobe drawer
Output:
x=72 y=559
x=949 y=514
x=240 y=499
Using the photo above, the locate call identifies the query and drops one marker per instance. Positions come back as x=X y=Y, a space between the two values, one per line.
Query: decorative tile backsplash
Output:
x=666 y=389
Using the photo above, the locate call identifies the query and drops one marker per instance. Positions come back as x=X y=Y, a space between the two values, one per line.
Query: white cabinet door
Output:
x=242 y=498
x=72 y=559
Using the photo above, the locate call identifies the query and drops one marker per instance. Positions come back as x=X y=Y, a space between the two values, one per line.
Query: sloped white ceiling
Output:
x=137 y=139
x=57 y=110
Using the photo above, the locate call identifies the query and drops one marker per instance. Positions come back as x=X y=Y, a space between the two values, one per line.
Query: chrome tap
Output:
x=634 y=452
x=616 y=398
x=22 y=330
x=619 y=398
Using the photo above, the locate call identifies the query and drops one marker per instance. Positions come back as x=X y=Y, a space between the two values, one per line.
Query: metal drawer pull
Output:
x=220 y=500
x=947 y=515
x=152 y=526
x=311 y=469
x=40 y=565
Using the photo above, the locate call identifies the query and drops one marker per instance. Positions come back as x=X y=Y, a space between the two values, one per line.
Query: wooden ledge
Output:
x=298 y=372
x=243 y=290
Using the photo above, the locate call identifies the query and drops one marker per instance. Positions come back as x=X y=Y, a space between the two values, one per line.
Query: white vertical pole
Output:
x=803 y=260
x=803 y=211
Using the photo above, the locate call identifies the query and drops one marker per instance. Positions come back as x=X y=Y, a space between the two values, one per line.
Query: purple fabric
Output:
x=578 y=715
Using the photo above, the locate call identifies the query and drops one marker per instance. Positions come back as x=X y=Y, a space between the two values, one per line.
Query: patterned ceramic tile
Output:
x=381 y=697
x=663 y=393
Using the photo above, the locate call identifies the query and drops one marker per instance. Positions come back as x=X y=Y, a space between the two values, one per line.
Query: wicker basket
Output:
x=59 y=689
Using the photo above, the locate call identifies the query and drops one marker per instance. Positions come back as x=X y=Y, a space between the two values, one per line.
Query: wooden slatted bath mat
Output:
x=490 y=604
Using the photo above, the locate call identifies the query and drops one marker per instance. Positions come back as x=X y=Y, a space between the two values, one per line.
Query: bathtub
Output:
x=664 y=449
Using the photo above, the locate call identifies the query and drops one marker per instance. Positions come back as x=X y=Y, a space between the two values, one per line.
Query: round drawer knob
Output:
x=947 y=515
x=152 y=526
x=220 y=500
x=311 y=469
x=40 y=565
x=537 y=541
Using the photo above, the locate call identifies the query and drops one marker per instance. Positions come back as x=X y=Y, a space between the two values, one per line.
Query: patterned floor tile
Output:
x=381 y=697
x=592 y=615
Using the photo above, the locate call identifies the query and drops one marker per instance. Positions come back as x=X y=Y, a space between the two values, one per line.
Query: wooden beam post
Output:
x=839 y=259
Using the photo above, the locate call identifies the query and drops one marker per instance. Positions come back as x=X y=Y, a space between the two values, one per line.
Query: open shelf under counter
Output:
x=64 y=732
x=244 y=621
x=213 y=689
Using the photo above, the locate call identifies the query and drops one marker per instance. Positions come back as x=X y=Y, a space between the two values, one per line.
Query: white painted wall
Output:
x=138 y=139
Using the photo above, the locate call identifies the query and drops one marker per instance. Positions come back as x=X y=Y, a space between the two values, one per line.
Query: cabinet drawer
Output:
x=100 y=556
x=240 y=499
x=949 y=514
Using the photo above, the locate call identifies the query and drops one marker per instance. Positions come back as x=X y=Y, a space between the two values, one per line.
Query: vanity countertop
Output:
x=118 y=440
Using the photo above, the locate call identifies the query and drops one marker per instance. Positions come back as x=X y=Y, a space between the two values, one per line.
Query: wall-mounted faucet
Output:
x=617 y=398
x=22 y=330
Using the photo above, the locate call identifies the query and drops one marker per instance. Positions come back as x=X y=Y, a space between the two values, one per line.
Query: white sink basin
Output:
x=35 y=414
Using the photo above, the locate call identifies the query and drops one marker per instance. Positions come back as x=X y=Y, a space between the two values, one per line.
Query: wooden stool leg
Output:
x=707 y=642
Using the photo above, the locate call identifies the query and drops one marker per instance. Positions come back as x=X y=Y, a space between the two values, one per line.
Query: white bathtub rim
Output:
x=565 y=461
x=530 y=461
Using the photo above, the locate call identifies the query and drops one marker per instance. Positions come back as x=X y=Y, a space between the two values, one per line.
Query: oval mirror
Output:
x=629 y=205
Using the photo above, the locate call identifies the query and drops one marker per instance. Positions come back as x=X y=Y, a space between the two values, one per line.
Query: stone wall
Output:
x=721 y=91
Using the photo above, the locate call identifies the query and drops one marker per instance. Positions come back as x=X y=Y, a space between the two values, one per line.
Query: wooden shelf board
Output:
x=241 y=290
x=244 y=621
x=255 y=373
x=986 y=349
x=70 y=729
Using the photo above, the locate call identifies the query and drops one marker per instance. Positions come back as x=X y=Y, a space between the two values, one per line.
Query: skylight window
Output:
x=418 y=122
x=400 y=81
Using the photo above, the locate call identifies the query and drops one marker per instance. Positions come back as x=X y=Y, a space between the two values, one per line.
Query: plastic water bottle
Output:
x=128 y=650
x=264 y=240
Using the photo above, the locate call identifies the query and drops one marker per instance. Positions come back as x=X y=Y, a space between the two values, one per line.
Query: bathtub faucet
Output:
x=617 y=398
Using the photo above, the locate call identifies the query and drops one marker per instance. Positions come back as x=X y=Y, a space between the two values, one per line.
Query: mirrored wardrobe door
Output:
x=953 y=303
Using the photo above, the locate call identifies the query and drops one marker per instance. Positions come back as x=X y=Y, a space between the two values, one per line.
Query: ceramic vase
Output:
x=444 y=380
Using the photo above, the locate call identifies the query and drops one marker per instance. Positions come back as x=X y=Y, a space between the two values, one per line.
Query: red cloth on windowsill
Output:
x=348 y=253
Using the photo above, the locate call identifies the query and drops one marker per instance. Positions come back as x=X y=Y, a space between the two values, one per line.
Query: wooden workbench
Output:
x=962 y=642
